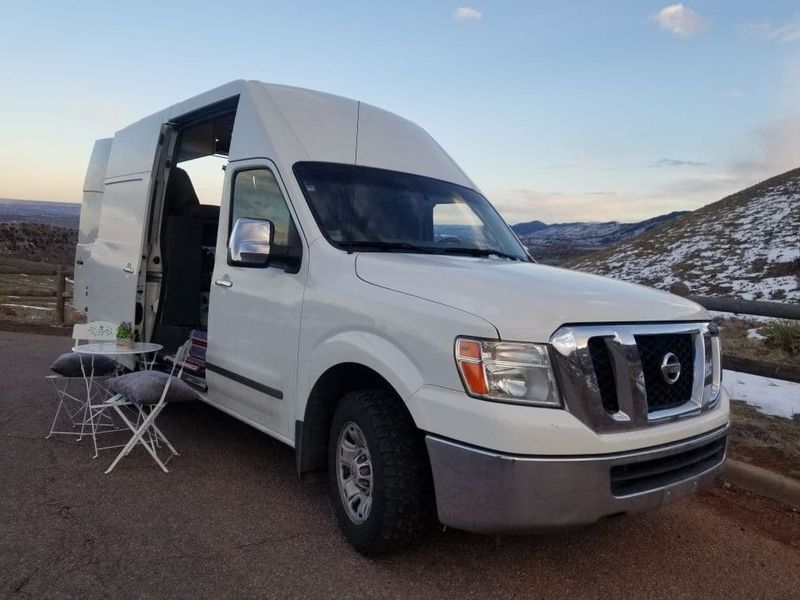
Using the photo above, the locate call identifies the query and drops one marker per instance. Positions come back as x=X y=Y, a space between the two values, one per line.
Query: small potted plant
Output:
x=125 y=335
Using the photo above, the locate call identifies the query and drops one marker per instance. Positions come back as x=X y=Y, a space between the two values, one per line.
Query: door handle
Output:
x=224 y=282
x=128 y=268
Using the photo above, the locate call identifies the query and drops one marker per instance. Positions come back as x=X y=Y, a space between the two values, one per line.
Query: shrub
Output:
x=785 y=335
x=778 y=294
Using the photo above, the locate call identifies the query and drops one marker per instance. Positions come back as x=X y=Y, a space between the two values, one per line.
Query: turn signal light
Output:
x=468 y=356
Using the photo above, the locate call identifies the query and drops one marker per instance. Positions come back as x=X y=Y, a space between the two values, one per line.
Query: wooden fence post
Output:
x=61 y=287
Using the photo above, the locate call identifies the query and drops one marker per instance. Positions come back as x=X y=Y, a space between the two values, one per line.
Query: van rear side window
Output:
x=256 y=195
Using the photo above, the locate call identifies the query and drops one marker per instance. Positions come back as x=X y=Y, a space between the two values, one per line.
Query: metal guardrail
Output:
x=775 y=310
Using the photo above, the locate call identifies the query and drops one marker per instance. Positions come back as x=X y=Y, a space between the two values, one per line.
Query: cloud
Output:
x=779 y=143
x=787 y=32
x=467 y=13
x=680 y=20
x=774 y=150
x=521 y=205
x=673 y=162
x=627 y=205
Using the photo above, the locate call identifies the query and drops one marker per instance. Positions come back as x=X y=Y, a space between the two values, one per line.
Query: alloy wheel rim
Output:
x=354 y=473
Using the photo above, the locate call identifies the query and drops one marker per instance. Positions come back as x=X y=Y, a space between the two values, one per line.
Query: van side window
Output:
x=256 y=195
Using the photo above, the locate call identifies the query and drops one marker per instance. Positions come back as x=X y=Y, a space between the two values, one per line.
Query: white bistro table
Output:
x=111 y=350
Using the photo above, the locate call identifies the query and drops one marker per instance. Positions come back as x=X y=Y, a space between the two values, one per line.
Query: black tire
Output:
x=401 y=489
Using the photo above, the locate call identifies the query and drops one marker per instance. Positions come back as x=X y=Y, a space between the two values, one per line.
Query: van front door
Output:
x=254 y=314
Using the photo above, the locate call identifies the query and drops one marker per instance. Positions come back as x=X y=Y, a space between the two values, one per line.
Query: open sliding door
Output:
x=119 y=253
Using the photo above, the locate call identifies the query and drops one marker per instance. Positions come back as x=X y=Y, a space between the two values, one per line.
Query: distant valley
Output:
x=60 y=214
x=556 y=243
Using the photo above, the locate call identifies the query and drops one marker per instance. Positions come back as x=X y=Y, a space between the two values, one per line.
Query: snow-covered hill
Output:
x=746 y=245
x=560 y=241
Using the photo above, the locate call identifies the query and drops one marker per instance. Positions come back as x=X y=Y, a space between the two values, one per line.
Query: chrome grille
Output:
x=611 y=377
x=652 y=349
x=604 y=372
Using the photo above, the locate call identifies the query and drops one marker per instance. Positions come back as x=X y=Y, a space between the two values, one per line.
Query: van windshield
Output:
x=366 y=209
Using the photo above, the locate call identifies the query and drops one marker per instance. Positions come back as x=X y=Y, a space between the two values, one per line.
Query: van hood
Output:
x=524 y=301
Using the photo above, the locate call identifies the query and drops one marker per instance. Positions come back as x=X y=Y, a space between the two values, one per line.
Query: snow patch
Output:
x=769 y=396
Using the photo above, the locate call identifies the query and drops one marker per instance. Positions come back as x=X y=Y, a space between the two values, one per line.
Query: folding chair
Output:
x=145 y=431
x=69 y=370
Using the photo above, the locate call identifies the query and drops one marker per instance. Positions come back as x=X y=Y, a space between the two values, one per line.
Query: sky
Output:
x=559 y=111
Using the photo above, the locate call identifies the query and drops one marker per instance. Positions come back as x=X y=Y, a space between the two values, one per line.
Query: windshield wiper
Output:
x=385 y=246
x=376 y=245
x=480 y=252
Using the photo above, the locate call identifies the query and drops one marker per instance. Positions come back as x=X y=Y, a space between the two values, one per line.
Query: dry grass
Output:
x=785 y=336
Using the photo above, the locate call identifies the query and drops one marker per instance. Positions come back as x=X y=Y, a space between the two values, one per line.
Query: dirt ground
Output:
x=231 y=519
x=765 y=441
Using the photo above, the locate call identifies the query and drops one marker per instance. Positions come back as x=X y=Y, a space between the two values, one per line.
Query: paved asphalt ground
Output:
x=231 y=519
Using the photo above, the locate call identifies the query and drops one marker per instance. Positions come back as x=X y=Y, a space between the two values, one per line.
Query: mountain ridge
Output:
x=557 y=242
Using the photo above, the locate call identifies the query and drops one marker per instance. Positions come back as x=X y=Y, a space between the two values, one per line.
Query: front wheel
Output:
x=378 y=472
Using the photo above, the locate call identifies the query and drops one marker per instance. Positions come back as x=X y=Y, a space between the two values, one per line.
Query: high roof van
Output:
x=365 y=304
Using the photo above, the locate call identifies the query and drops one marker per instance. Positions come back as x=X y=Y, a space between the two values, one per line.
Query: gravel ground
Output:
x=231 y=519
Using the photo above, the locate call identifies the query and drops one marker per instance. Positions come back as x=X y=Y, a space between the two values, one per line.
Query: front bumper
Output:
x=489 y=492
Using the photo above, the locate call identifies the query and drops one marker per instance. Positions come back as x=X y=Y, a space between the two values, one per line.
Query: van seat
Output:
x=180 y=194
x=181 y=201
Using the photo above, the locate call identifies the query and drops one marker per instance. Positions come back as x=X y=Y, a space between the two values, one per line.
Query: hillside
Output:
x=554 y=243
x=746 y=245
x=38 y=242
x=39 y=231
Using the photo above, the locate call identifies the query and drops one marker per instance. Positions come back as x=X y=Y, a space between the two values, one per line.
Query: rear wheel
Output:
x=378 y=472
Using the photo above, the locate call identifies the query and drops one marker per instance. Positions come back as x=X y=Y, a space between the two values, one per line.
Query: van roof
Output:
x=289 y=124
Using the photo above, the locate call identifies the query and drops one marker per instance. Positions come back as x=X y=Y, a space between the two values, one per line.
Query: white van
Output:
x=366 y=305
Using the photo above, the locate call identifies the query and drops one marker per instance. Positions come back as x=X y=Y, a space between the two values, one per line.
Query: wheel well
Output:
x=311 y=434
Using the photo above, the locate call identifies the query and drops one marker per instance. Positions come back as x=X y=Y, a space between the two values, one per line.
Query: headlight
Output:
x=507 y=371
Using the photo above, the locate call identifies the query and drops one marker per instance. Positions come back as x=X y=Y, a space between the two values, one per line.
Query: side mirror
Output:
x=250 y=242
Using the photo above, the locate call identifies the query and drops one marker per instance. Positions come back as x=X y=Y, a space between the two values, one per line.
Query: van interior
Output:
x=184 y=224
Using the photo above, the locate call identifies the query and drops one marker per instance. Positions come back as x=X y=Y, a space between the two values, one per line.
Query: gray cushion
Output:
x=69 y=365
x=146 y=387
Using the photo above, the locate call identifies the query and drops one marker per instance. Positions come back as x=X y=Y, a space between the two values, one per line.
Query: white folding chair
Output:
x=73 y=405
x=145 y=431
